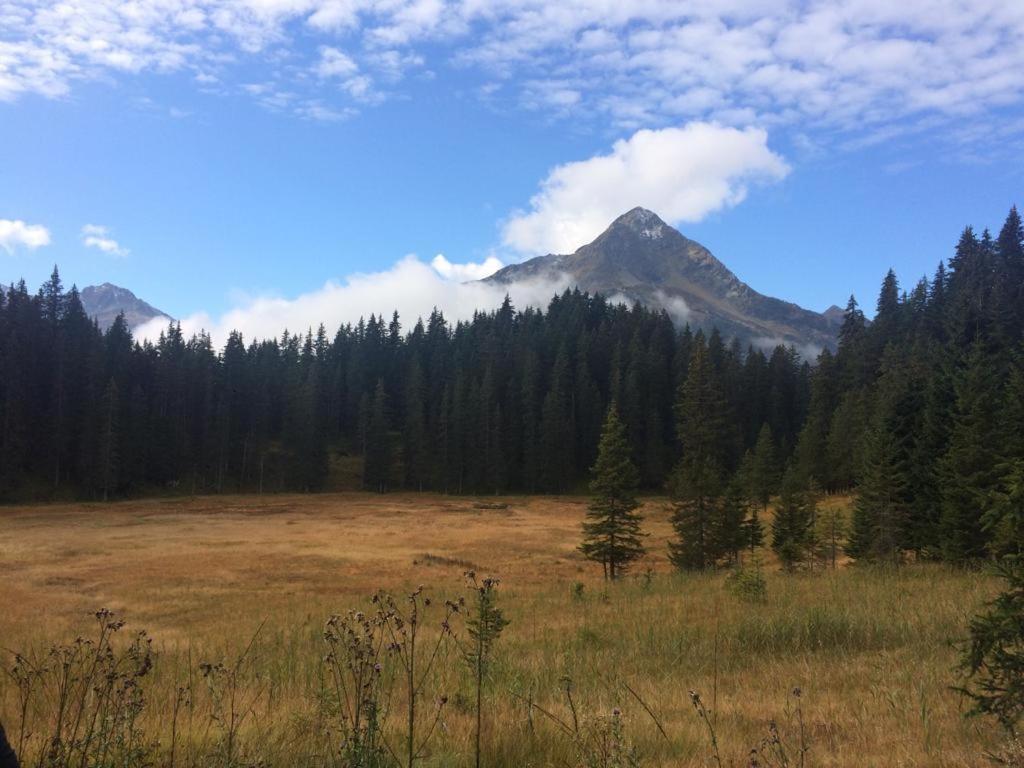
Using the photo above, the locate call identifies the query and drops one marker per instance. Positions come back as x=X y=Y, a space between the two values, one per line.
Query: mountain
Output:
x=641 y=258
x=104 y=302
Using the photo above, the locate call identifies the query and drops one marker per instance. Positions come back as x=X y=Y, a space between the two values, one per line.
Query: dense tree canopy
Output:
x=509 y=401
x=919 y=410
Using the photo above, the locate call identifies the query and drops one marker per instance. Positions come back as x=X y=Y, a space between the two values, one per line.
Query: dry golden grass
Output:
x=871 y=650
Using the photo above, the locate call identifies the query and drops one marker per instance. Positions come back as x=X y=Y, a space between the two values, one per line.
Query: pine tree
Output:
x=696 y=498
x=969 y=470
x=611 y=532
x=879 y=519
x=485 y=625
x=731 y=530
x=791 y=526
x=881 y=522
x=762 y=473
x=696 y=483
x=417 y=454
x=107 y=449
x=995 y=656
x=378 y=453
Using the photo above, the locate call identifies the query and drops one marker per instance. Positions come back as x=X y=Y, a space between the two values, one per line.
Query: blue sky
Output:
x=238 y=162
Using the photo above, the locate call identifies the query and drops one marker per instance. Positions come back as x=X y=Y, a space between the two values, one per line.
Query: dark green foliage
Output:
x=994 y=658
x=509 y=401
x=793 y=525
x=921 y=410
x=969 y=470
x=107 y=447
x=377 y=451
x=762 y=469
x=611 y=532
x=697 y=504
x=881 y=519
x=696 y=483
x=733 y=529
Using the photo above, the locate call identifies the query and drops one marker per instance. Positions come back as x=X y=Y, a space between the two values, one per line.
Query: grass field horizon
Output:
x=873 y=651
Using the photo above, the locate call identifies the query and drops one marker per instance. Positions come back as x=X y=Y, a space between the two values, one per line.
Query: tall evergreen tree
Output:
x=969 y=469
x=611 y=532
x=791 y=526
x=107 y=448
x=378 y=451
x=696 y=483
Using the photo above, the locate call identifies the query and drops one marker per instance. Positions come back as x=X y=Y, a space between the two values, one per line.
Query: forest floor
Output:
x=873 y=651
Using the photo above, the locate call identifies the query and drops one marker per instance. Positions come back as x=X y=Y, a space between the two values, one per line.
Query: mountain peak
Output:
x=641 y=221
x=106 y=301
x=640 y=258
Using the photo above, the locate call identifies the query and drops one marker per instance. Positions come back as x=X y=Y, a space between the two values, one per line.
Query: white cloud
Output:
x=17 y=234
x=852 y=65
x=682 y=174
x=98 y=237
x=334 y=63
x=465 y=272
x=411 y=286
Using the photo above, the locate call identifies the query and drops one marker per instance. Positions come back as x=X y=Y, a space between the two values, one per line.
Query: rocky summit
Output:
x=104 y=303
x=640 y=258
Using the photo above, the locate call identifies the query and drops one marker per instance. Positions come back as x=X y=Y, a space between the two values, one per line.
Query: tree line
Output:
x=511 y=400
x=921 y=412
x=921 y=409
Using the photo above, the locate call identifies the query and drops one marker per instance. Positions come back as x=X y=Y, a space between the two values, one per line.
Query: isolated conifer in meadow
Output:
x=485 y=623
x=611 y=532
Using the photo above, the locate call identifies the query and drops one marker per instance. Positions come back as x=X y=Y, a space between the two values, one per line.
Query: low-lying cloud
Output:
x=468 y=271
x=682 y=174
x=411 y=287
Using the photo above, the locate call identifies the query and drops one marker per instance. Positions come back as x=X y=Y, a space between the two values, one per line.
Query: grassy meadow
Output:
x=251 y=580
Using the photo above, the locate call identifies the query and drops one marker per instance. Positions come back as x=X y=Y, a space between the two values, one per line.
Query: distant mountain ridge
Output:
x=640 y=258
x=104 y=303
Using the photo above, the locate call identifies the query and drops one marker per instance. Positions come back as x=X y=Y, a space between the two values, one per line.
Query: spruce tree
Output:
x=107 y=447
x=879 y=519
x=763 y=469
x=791 y=525
x=969 y=470
x=994 y=658
x=731 y=530
x=696 y=483
x=378 y=453
x=611 y=532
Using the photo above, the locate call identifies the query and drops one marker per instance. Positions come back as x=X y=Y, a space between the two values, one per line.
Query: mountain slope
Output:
x=641 y=258
x=104 y=302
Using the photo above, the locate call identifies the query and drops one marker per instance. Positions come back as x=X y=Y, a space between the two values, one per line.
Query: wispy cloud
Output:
x=98 y=237
x=853 y=66
x=15 y=234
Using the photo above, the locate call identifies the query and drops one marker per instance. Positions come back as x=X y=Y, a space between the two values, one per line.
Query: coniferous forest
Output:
x=921 y=410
